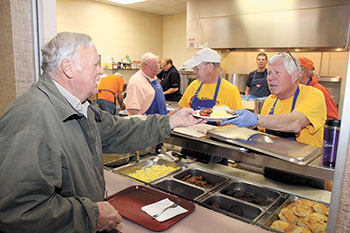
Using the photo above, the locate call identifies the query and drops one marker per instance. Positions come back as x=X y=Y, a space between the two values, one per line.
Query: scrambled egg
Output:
x=152 y=173
x=219 y=113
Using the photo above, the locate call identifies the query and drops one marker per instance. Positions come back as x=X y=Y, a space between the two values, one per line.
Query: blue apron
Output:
x=198 y=104
x=308 y=82
x=158 y=103
x=288 y=135
x=284 y=176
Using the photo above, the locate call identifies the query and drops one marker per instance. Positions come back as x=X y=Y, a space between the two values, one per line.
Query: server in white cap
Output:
x=209 y=89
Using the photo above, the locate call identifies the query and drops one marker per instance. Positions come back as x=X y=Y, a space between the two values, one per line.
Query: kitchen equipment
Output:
x=292 y=151
x=187 y=76
x=180 y=189
x=232 y=207
x=258 y=106
x=243 y=200
x=269 y=217
x=330 y=142
x=238 y=189
x=254 y=194
x=147 y=163
x=241 y=27
x=238 y=80
x=333 y=85
x=211 y=180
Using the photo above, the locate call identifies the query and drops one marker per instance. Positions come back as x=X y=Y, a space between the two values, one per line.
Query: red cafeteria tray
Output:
x=129 y=201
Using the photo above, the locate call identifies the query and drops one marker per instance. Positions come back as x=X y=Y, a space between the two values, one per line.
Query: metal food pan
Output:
x=270 y=217
x=232 y=207
x=179 y=189
x=254 y=194
x=146 y=163
x=212 y=179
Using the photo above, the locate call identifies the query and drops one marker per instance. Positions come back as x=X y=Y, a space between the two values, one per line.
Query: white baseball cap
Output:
x=203 y=55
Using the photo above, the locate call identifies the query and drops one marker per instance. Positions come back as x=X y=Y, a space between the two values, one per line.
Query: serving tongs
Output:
x=151 y=162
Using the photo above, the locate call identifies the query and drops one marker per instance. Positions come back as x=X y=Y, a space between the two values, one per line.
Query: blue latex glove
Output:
x=245 y=118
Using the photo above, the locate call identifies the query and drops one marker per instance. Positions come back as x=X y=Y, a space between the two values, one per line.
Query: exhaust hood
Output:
x=320 y=25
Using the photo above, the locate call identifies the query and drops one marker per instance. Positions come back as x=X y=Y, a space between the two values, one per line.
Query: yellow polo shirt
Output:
x=312 y=104
x=228 y=94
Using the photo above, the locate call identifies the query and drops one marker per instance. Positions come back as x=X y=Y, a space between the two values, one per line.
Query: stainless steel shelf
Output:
x=333 y=79
x=206 y=145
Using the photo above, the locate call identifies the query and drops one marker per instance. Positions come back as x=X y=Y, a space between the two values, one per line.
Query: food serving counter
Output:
x=200 y=220
x=239 y=197
x=223 y=198
x=196 y=138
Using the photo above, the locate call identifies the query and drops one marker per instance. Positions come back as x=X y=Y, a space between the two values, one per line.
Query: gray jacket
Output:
x=51 y=168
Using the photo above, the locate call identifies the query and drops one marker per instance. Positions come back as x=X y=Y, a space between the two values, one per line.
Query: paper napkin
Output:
x=156 y=207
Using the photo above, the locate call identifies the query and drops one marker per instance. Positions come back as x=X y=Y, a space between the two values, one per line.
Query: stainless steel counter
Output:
x=201 y=220
x=256 y=178
x=231 y=152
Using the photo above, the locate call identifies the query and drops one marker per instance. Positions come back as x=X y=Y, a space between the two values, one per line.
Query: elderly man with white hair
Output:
x=52 y=139
x=144 y=94
x=292 y=111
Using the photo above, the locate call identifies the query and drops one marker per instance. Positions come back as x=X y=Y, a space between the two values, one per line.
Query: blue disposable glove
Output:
x=245 y=118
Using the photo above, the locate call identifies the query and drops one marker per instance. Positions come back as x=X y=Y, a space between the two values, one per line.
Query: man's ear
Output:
x=295 y=76
x=66 y=67
x=211 y=66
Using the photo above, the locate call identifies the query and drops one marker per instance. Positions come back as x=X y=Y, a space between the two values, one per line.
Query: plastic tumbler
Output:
x=330 y=142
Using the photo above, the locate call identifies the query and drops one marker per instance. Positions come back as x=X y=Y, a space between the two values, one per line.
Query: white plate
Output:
x=196 y=114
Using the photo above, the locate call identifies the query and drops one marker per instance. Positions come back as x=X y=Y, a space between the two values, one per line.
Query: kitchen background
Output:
x=119 y=31
x=18 y=26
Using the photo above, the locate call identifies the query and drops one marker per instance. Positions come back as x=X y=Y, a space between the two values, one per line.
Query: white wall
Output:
x=116 y=31
x=174 y=39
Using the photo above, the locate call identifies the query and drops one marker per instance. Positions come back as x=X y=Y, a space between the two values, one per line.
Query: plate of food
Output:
x=215 y=114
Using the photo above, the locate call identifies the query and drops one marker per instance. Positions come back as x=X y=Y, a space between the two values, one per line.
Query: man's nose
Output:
x=99 y=70
x=270 y=76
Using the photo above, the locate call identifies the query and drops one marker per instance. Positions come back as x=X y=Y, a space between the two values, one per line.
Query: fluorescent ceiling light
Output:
x=127 y=1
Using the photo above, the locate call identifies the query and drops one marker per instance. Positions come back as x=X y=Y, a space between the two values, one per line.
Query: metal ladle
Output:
x=259 y=137
x=238 y=189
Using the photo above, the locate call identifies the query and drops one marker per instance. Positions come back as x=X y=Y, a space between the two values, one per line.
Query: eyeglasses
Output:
x=152 y=68
x=165 y=65
x=295 y=63
x=198 y=67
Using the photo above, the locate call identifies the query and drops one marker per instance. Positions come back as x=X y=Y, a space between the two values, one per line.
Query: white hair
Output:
x=148 y=56
x=290 y=63
x=63 y=46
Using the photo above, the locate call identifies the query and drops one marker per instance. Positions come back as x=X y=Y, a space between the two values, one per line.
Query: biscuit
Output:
x=320 y=208
x=291 y=206
x=305 y=202
x=280 y=225
x=304 y=229
x=296 y=229
x=316 y=222
x=288 y=216
x=301 y=222
x=302 y=210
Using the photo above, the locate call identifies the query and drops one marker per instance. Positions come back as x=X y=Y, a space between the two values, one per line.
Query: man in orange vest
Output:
x=308 y=78
x=110 y=93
